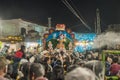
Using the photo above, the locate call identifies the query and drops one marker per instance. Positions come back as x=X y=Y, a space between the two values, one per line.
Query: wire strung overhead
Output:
x=67 y=4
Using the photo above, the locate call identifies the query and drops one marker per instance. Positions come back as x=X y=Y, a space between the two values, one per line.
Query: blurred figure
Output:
x=24 y=68
x=108 y=62
x=115 y=67
x=9 y=72
x=17 y=57
x=20 y=53
x=12 y=51
x=37 y=72
x=58 y=73
x=3 y=68
x=71 y=67
x=48 y=67
x=97 y=67
x=80 y=74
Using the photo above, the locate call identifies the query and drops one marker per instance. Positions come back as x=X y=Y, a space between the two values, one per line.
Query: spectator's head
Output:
x=80 y=74
x=115 y=60
x=36 y=70
x=96 y=66
x=22 y=47
x=58 y=62
x=89 y=57
x=58 y=73
x=71 y=67
x=3 y=65
x=47 y=60
x=24 y=68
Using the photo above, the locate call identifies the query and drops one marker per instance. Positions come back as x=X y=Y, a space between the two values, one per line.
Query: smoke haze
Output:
x=109 y=39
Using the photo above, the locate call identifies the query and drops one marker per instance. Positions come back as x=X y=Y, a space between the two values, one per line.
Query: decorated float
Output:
x=59 y=38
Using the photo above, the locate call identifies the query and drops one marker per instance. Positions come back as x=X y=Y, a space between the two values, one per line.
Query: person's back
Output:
x=58 y=73
x=24 y=68
x=9 y=72
x=115 y=67
x=20 y=53
x=17 y=57
x=80 y=74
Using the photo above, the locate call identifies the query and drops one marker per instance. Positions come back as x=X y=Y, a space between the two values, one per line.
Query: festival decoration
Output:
x=84 y=41
x=46 y=35
x=60 y=27
x=73 y=35
x=70 y=46
x=44 y=43
x=50 y=45
x=12 y=39
x=51 y=30
x=59 y=38
x=69 y=30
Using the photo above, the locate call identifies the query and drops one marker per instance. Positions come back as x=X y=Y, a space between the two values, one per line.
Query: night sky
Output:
x=38 y=11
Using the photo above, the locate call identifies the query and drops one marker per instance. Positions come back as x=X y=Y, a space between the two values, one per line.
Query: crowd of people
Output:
x=112 y=64
x=55 y=66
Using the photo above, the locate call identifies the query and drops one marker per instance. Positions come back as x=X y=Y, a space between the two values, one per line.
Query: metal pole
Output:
x=98 y=21
x=49 y=22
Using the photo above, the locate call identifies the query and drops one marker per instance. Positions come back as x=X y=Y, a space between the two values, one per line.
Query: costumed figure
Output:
x=70 y=46
x=61 y=45
x=50 y=46
x=39 y=48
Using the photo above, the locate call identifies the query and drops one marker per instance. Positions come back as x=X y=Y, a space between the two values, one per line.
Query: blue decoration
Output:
x=56 y=35
x=39 y=42
x=85 y=40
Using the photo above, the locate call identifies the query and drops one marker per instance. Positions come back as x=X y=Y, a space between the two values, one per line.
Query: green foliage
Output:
x=66 y=43
x=55 y=42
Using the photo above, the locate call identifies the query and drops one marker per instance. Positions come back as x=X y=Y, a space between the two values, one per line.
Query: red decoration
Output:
x=73 y=35
x=60 y=27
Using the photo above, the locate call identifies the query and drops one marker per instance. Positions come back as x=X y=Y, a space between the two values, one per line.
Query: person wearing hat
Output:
x=3 y=68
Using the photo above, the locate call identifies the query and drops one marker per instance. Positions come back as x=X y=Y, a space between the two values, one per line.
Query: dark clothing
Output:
x=23 y=78
x=107 y=73
x=41 y=78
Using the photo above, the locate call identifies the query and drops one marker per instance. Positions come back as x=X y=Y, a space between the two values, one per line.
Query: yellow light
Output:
x=76 y=43
x=12 y=41
x=9 y=37
x=6 y=39
x=16 y=38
